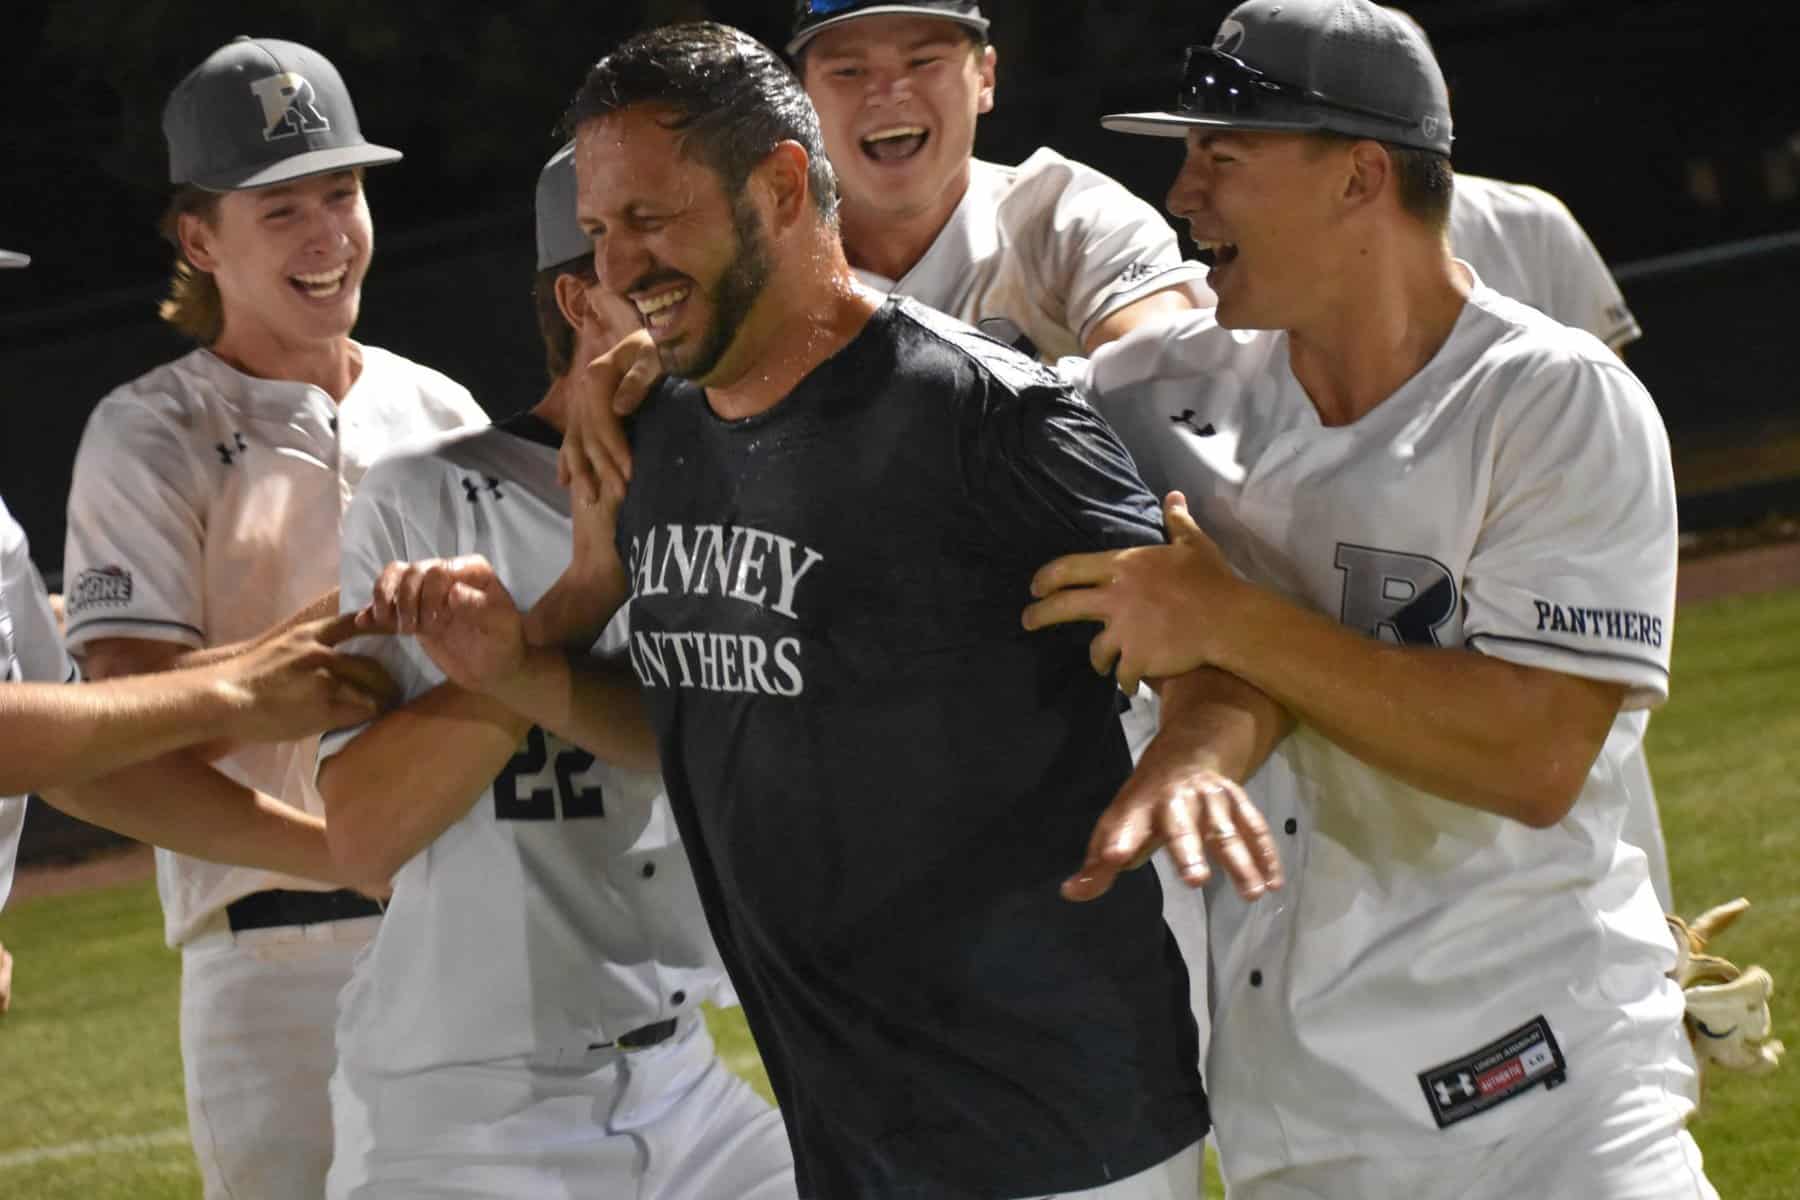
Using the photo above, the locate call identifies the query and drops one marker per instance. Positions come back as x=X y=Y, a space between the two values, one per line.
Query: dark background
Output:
x=1665 y=126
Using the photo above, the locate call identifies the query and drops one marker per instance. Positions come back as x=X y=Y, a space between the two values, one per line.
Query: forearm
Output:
x=576 y=608
x=1477 y=730
x=409 y=776
x=596 y=705
x=1216 y=721
x=55 y=735
x=181 y=804
x=325 y=605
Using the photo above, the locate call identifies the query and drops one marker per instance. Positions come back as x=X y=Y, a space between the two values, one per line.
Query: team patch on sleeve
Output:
x=1607 y=624
x=100 y=587
x=1494 y=1074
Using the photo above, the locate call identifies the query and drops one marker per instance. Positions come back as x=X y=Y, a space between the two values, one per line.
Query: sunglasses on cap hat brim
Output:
x=1224 y=92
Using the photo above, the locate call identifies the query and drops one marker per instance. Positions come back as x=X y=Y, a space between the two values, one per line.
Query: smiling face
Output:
x=897 y=98
x=289 y=260
x=1263 y=208
x=667 y=238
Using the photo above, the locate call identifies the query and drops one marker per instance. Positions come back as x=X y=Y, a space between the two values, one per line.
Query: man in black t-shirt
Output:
x=880 y=778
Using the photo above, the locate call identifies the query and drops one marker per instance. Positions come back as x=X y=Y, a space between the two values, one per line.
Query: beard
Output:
x=732 y=297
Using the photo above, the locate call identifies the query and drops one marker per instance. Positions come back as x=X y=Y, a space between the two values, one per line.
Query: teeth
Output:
x=897 y=131
x=649 y=306
x=324 y=278
x=658 y=310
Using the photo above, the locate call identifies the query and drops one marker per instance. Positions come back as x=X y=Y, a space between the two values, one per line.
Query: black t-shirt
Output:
x=881 y=778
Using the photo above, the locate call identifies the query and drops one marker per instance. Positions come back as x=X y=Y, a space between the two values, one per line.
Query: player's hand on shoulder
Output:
x=601 y=395
x=297 y=682
x=1144 y=598
x=1178 y=802
x=460 y=612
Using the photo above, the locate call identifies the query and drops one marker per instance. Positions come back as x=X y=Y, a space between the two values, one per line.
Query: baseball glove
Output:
x=1727 y=1007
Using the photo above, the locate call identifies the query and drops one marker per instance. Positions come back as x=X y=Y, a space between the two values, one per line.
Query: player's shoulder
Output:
x=396 y=370
x=988 y=359
x=1047 y=181
x=1529 y=355
x=423 y=463
x=196 y=381
x=1179 y=347
x=1509 y=204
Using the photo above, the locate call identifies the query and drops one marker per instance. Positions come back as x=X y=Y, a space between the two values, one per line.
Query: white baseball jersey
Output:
x=1431 y=972
x=1525 y=243
x=31 y=651
x=560 y=912
x=1052 y=245
x=205 y=507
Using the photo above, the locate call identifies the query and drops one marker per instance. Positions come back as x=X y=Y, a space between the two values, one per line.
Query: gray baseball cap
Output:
x=1346 y=66
x=12 y=258
x=813 y=17
x=559 y=238
x=260 y=111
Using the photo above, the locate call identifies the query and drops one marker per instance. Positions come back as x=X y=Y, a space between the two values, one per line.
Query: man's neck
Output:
x=332 y=365
x=553 y=409
x=1366 y=343
x=890 y=244
x=806 y=314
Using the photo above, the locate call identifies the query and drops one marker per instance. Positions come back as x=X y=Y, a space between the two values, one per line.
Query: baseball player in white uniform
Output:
x=1445 y=548
x=56 y=739
x=1050 y=255
x=205 y=507
x=527 y=1021
x=1525 y=243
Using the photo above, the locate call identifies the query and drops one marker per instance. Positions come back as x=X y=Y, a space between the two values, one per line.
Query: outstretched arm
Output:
x=467 y=622
x=1509 y=739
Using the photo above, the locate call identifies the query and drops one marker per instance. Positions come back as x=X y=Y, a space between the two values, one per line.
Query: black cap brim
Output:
x=299 y=166
x=1176 y=125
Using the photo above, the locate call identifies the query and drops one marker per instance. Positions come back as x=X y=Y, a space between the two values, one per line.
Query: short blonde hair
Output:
x=193 y=304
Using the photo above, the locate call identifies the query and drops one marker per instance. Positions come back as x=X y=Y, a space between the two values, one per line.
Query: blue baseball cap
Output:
x=813 y=17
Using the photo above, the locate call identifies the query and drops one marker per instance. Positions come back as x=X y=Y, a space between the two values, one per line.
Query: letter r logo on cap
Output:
x=288 y=106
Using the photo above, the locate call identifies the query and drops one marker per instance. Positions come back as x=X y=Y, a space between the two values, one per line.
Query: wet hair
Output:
x=193 y=305
x=733 y=98
x=553 y=328
x=1423 y=179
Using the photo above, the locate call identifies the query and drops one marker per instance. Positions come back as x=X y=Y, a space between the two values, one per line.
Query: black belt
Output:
x=271 y=909
x=641 y=1037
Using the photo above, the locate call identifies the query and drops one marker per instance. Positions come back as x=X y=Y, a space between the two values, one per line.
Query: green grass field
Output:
x=90 y=1073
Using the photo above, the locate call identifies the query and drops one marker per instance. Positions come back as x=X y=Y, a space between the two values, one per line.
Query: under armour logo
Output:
x=1464 y=1083
x=228 y=452
x=1136 y=271
x=289 y=106
x=1187 y=419
x=472 y=488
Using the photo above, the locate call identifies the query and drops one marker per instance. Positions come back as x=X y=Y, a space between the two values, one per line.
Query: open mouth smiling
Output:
x=896 y=143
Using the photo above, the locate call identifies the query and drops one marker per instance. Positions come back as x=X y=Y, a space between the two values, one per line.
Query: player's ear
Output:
x=1370 y=173
x=198 y=243
x=984 y=101
x=784 y=177
x=571 y=299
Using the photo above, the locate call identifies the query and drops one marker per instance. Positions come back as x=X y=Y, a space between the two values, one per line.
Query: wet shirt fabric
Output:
x=881 y=778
